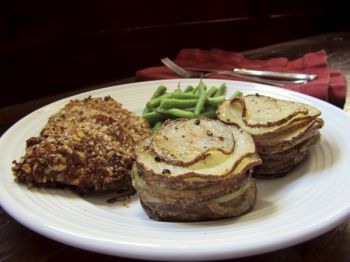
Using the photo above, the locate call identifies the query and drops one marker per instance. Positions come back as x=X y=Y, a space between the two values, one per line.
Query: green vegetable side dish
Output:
x=192 y=102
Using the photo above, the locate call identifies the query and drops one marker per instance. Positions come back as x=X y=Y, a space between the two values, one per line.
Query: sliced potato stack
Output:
x=283 y=131
x=196 y=169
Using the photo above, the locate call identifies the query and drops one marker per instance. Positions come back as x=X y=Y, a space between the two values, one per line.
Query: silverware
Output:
x=189 y=74
x=260 y=73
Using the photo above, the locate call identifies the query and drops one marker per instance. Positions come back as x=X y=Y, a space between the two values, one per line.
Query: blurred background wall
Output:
x=49 y=47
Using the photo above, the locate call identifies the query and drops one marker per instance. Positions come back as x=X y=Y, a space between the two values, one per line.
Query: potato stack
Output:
x=196 y=169
x=283 y=131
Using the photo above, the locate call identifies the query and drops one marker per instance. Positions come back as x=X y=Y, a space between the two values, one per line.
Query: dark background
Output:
x=54 y=46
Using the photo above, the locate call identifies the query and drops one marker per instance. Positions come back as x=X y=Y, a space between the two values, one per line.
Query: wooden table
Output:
x=21 y=244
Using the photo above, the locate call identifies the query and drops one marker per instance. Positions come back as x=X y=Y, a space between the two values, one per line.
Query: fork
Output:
x=185 y=73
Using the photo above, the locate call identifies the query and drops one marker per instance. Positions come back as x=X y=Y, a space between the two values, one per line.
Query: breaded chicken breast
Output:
x=88 y=145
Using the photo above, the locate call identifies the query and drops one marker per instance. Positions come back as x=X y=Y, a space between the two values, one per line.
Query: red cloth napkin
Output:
x=330 y=84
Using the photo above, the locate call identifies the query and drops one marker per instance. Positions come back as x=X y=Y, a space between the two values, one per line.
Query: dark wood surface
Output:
x=53 y=46
x=21 y=244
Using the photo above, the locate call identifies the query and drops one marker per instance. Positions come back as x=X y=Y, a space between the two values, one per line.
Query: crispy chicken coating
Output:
x=88 y=145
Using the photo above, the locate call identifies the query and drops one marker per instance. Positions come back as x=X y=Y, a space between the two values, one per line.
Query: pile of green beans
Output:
x=192 y=102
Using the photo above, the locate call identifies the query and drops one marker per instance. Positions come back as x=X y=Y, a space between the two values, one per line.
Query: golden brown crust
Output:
x=87 y=145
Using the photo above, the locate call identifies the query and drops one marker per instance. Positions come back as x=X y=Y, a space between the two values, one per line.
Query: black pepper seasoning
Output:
x=157 y=158
x=209 y=133
x=197 y=122
x=166 y=171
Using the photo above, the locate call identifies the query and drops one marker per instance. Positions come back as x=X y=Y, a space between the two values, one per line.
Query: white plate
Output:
x=311 y=200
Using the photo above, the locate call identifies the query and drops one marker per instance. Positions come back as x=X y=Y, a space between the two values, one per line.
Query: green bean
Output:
x=188 y=89
x=209 y=114
x=157 y=126
x=160 y=91
x=236 y=94
x=184 y=96
x=175 y=112
x=222 y=90
x=215 y=101
x=188 y=103
x=153 y=117
x=192 y=109
x=196 y=91
x=156 y=101
x=189 y=109
x=147 y=109
x=212 y=91
x=177 y=103
x=201 y=99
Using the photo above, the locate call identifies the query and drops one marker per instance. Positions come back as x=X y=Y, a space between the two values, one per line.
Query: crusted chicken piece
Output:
x=88 y=145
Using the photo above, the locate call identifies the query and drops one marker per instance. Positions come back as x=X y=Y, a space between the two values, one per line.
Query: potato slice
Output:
x=289 y=137
x=215 y=166
x=265 y=111
x=278 y=171
x=168 y=194
x=232 y=204
x=294 y=151
x=272 y=164
x=231 y=113
x=287 y=146
x=183 y=142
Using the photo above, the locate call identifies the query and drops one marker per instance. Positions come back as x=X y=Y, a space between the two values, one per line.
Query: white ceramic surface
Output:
x=311 y=200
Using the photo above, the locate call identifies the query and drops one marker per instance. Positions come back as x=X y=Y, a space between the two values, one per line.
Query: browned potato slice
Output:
x=232 y=204
x=273 y=164
x=289 y=137
x=286 y=146
x=294 y=151
x=278 y=171
x=215 y=166
x=265 y=111
x=231 y=113
x=207 y=191
x=183 y=142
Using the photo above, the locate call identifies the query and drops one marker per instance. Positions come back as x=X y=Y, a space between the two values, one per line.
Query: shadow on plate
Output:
x=110 y=199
